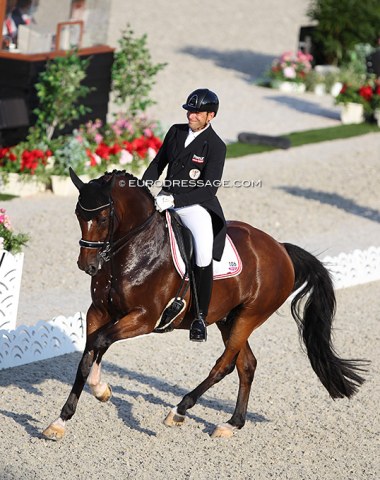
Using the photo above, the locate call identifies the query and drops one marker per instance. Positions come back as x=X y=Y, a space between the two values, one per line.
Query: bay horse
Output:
x=125 y=249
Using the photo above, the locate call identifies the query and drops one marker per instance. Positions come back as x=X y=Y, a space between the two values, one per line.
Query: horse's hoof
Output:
x=225 y=430
x=55 y=431
x=174 y=418
x=106 y=395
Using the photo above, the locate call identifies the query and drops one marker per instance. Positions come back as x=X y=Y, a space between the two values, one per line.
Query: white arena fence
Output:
x=26 y=344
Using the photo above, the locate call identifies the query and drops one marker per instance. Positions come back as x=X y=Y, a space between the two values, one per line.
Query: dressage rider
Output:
x=195 y=157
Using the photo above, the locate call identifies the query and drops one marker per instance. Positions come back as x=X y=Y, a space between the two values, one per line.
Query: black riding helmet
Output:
x=202 y=100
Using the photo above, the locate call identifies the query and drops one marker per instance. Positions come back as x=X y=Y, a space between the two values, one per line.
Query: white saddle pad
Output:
x=230 y=264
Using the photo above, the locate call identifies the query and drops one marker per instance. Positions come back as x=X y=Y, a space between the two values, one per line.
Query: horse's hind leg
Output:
x=246 y=365
x=242 y=328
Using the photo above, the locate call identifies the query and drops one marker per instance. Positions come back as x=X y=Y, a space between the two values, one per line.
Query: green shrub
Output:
x=343 y=24
x=59 y=89
x=133 y=73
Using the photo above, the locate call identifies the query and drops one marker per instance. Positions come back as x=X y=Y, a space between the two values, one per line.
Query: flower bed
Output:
x=290 y=67
x=125 y=144
x=367 y=96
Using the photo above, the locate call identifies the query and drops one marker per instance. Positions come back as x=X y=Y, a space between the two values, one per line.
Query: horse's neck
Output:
x=146 y=252
x=135 y=208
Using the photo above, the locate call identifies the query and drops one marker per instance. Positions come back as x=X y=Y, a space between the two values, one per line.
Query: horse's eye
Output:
x=103 y=220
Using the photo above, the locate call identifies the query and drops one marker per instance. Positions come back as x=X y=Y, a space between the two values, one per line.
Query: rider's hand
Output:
x=164 y=202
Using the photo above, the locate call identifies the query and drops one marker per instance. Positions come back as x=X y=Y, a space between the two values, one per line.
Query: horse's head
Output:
x=108 y=208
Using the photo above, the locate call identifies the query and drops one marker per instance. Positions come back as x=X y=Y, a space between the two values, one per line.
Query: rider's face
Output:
x=198 y=120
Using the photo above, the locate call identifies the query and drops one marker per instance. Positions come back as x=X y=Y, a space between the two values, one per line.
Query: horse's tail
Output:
x=340 y=377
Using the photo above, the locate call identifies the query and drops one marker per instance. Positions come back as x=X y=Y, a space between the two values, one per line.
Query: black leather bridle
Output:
x=108 y=248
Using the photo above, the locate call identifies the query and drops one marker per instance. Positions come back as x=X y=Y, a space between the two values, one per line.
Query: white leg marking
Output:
x=174 y=418
x=100 y=390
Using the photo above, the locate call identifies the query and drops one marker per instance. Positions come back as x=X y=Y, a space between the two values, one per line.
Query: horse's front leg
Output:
x=94 y=320
x=98 y=342
x=56 y=430
x=101 y=390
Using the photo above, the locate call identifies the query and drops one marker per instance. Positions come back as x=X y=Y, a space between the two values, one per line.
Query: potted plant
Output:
x=288 y=72
x=23 y=169
x=355 y=101
x=11 y=262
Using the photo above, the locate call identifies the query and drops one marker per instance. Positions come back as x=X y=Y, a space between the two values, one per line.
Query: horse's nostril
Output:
x=91 y=270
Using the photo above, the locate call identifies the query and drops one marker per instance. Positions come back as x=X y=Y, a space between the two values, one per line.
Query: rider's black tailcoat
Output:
x=194 y=174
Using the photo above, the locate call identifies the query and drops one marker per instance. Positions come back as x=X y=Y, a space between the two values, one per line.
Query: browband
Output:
x=93 y=209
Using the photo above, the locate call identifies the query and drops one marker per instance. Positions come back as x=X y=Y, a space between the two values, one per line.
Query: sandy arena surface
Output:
x=323 y=197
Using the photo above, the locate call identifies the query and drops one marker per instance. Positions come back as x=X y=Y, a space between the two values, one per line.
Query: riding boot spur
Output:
x=203 y=281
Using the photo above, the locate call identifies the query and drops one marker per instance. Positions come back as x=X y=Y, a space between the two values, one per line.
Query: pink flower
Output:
x=286 y=57
x=289 y=72
x=98 y=138
x=4 y=219
x=125 y=157
x=117 y=130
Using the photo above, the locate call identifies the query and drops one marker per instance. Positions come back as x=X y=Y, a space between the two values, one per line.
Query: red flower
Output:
x=155 y=143
x=92 y=158
x=115 y=149
x=103 y=151
x=29 y=161
x=366 y=92
x=139 y=145
x=3 y=152
x=127 y=146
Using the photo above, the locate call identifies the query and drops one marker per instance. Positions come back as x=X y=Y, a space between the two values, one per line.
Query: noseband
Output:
x=108 y=248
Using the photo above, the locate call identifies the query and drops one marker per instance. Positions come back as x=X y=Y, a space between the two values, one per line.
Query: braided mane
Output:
x=128 y=176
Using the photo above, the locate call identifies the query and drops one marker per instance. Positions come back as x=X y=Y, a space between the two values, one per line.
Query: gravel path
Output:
x=323 y=197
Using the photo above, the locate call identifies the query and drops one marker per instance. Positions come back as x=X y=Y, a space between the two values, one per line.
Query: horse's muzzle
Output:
x=91 y=268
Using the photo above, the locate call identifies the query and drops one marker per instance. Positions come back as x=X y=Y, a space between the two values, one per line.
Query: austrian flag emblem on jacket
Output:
x=198 y=159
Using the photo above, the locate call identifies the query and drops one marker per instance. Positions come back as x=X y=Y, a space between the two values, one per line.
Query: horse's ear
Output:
x=75 y=179
x=110 y=183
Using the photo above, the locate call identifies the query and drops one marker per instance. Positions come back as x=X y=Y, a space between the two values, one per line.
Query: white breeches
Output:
x=198 y=221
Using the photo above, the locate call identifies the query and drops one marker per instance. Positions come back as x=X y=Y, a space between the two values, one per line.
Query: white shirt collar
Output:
x=193 y=135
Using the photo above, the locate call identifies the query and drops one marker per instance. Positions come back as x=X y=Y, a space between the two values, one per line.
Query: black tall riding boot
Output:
x=203 y=281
